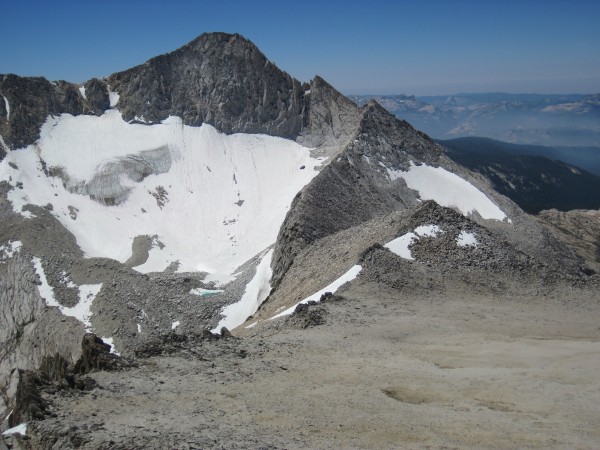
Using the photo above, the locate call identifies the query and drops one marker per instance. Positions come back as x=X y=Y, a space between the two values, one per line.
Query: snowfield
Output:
x=448 y=189
x=212 y=200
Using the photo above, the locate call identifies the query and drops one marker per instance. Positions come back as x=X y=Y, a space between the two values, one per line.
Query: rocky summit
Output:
x=204 y=252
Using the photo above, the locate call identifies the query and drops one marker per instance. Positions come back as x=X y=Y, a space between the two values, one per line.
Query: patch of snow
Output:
x=467 y=239
x=205 y=292
x=3 y=144
x=225 y=233
x=256 y=292
x=82 y=92
x=175 y=324
x=65 y=279
x=428 y=230
x=113 y=98
x=400 y=245
x=110 y=341
x=7 y=107
x=448 y=189
x=252 y=325
x=333 y=287
x=82 y=310
x=139 y=328
x=19 y=429
x=46 y=291
x=10 y=249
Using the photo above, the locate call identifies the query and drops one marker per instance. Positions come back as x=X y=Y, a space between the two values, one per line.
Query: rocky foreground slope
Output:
x=151 y=242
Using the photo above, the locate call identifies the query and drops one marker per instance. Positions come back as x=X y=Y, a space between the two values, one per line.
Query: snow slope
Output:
x=448 y=189
x=256 y=292
x=212 y=201
x=333 y=287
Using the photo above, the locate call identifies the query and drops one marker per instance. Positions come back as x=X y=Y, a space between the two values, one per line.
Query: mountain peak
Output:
x=218 y=78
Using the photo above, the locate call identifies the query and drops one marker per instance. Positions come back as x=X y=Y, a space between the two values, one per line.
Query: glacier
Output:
x=210 y=201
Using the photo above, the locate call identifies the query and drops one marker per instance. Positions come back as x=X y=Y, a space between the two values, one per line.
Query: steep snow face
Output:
x=256 y=292
x=210 y=201
x=448 y=189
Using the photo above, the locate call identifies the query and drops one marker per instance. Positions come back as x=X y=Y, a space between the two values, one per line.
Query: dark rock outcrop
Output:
x=31 y=100
x=96 y=94
x=218 y=78
x=95 y=355
x=29 y=404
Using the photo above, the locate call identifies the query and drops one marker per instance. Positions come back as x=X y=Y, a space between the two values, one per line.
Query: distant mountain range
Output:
x=554 y=120
x=534 y=177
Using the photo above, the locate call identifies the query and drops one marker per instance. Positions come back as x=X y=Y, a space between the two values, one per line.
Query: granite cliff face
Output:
x=219 y=79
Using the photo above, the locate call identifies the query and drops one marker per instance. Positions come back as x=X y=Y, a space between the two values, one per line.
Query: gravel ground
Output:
x=388 y=368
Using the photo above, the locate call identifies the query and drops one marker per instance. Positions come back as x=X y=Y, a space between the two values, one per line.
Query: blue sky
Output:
x=372 y=46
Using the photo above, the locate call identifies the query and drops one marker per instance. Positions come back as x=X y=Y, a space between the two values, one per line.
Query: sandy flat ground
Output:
x=387 y=370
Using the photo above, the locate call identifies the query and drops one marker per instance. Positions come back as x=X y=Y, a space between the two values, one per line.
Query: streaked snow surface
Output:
x=227 y=195
x=448 y=189
x=256 y=292
x=348 y=276
x=400 y=245
x=466 y=239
